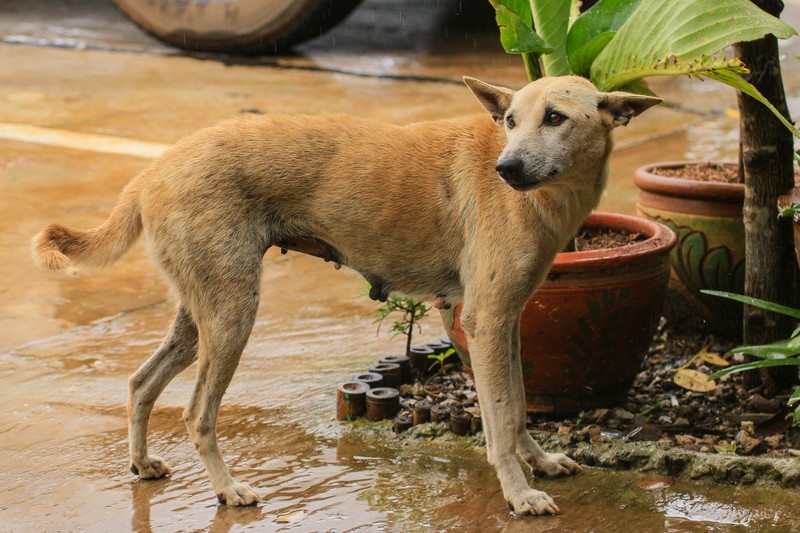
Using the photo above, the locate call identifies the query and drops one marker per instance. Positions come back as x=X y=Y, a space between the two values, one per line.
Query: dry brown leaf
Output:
x=713 y=358
x=694 y=380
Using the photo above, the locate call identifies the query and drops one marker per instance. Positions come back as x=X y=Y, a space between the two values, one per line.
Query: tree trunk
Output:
x=766 y=160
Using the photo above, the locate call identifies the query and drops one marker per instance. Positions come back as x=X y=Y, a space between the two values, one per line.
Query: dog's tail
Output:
x=57 y=246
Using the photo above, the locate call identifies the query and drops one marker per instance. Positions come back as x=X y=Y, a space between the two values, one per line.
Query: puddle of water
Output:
x=64 y=440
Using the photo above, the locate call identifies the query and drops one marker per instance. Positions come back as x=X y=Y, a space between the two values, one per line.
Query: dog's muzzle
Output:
x=512 y=171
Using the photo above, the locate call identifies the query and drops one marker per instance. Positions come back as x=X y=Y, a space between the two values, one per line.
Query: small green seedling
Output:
x=439 y=359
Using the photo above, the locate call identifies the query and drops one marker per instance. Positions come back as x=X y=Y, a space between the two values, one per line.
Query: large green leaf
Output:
x=671 y=37
x=737 y=82
x=755 y=302
x=795 y=397
x=776 y=350
x=551 y=21
x=516 y=34
x=593 y=30
x=663 y=38
x=766 y=363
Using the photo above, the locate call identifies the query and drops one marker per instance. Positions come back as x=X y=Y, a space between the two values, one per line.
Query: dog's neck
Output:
x=564 y=205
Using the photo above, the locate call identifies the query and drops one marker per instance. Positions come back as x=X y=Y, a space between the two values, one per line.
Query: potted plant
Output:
x=702 y=203
x=616 y=44
x=585 y=331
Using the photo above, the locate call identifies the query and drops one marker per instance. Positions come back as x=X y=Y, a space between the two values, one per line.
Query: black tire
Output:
x=240 y=26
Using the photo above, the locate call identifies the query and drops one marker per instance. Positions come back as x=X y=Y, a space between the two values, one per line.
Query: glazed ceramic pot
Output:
x=586 y=330
x=710 y=253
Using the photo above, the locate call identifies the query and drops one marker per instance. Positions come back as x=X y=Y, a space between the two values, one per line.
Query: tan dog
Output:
x=336 y=186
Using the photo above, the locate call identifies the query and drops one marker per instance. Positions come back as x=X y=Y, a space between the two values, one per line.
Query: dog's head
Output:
x=558 y=127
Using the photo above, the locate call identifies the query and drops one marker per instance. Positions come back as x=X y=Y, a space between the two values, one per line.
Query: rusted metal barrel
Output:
x=422 y=412
x=440 y=413
x=382 y=403
x=370 y=378
x=476 y=425
x=401 y=423
x=438 y=347
x=405 y=366
x=390 y=373
x=460 y=422
x=420 y=363
x=351 y=400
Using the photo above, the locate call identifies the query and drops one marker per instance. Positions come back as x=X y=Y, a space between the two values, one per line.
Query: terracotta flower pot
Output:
x=586 y=330
x=707 y=218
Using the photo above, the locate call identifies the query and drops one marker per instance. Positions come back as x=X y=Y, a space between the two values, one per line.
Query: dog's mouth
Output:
x=528 y=183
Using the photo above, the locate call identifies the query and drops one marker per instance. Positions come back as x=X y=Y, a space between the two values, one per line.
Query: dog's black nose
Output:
x=510 y=169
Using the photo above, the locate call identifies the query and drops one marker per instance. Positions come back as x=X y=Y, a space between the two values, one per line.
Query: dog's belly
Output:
x=420 y=274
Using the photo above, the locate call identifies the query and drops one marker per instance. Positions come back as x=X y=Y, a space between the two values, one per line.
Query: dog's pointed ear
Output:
x=621 y=107
x=495 y=100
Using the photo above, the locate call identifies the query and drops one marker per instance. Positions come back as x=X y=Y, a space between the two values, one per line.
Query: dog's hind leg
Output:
x=177 y=351
x=224 y=324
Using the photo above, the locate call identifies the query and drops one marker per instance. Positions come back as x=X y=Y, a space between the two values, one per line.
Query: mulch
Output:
x=714 y=172
x=730 y=419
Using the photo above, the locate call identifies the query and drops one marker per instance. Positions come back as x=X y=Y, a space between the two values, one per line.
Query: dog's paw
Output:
x=237 y=495
x=555 y=464
x=533 y=502
x=153 y=467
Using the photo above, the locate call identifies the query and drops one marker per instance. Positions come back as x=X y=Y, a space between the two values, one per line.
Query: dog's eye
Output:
x=553 y=118
x=510 y=122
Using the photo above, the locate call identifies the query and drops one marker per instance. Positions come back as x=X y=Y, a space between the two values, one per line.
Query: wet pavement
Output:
x=86 y=99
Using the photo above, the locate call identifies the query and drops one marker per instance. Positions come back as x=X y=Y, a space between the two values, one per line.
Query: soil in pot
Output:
x=702 y=203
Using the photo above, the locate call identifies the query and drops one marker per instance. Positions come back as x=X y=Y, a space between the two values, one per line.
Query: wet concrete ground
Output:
x=86 y=99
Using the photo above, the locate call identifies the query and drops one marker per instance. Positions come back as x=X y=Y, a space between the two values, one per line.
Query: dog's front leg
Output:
x=491 y=332
x=541 y=462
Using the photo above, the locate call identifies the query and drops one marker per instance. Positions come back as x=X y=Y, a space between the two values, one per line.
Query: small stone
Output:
x=622 y=415
x=747 y=445
x=773 y=441
x=593 y=430
x=474 y=411
x=665 y=420
x=598 y=439
x=563 y=430
x=685 y=439
x=681 y=421
x=596 y=415
x=759 y=404
x=406 y=389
